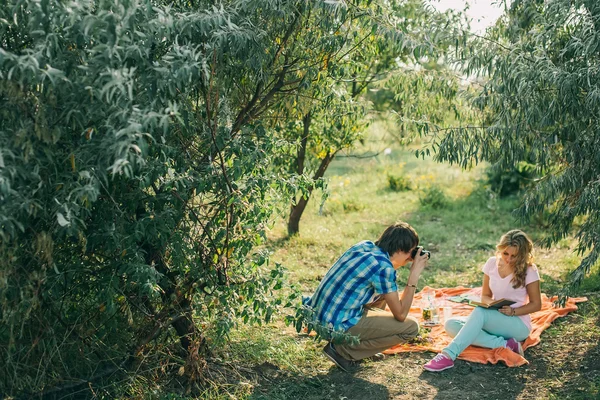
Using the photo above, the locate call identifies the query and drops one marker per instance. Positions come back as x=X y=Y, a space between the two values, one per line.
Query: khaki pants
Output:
x=377 y=330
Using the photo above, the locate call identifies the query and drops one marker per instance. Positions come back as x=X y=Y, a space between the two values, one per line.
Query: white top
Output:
x=502 y=288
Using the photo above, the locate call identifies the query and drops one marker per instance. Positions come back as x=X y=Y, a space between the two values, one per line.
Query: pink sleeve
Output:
x=532 y=275
x=489 y=265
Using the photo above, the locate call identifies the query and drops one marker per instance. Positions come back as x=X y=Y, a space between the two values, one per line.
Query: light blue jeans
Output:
x=484 y=328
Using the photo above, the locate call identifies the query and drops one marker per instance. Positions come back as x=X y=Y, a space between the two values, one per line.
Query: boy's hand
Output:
x=419 y=262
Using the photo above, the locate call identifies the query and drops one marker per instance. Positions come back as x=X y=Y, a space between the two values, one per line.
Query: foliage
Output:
x=541 y=105
x=389 y=39
x=352 y=205
x=399 y=183
x=434 y=197
x=135 y=178
x=512 y=180
x=423 y=97
x=304 y=320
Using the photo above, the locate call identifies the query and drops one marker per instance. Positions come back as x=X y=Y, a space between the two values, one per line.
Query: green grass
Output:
x=274 y=362
x=461 y=235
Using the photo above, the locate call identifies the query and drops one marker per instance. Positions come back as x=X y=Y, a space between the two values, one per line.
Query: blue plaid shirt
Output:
x=362 y=272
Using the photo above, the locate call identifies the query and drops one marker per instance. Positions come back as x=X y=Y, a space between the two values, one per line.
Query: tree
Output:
x=541 y=105
x=135 y=142
x=392 y=39
x=327 y=128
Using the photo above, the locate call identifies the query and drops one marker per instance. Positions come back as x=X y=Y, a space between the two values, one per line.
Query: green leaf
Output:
x=62 y=221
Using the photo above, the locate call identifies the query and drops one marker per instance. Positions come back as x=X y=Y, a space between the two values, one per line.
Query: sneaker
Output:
x=515 y=346
x=345 y=365
x=378 y=357
x=439 y=363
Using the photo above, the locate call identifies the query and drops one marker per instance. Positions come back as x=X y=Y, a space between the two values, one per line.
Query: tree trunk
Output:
x=298 y=208
x=296 y=211
x=187 y=331
x=183 y=324
x=303 y=144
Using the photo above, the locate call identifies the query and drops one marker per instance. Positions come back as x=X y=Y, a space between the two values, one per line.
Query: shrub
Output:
x=135 y=182
x=399 y=183
x=433 y=197
x=510 y=181
x=351 y=206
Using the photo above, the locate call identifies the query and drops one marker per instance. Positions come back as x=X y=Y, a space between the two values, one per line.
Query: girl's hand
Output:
x=507 y=310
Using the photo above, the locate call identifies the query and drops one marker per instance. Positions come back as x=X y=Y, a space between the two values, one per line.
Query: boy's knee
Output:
x=412 y=328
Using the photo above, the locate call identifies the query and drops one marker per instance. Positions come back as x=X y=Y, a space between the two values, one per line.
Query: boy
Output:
x=344 y=300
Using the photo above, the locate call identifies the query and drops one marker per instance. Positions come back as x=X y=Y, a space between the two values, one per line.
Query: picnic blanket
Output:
x=438 y=339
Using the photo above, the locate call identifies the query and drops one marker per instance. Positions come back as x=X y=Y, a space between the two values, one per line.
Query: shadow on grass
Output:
x=475 y=381
x=580 y=353
x=551 y=286
x=336 y=384
x=277 y=243
x=582 y=381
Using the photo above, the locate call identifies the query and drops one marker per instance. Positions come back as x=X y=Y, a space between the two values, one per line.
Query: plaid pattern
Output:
x=362 y=272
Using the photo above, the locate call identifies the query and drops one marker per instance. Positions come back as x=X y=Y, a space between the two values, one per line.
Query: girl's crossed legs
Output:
x=484 y=328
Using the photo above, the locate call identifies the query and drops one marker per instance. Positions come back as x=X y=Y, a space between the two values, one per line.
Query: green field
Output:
x=277 y=363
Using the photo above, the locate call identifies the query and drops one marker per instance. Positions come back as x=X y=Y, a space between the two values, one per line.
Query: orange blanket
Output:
x=438 y=339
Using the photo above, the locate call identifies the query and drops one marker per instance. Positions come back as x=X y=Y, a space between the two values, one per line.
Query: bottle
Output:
x=430 y=312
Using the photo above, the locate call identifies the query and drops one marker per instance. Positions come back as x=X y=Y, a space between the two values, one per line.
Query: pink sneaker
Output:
x=514 y=346
x=439 y=363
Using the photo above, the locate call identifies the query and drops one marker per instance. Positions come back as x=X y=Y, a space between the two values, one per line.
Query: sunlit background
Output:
x=483 y=13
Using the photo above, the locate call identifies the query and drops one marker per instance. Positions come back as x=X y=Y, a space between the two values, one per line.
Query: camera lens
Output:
x=413 y=253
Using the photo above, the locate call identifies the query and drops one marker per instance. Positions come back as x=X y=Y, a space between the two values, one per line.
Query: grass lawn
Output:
x=459 y=220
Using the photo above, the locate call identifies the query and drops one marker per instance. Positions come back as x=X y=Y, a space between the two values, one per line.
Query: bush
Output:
x=128 y=216
x=434 y=197
x=351 y=206
x=510 y=181
x=399 y=183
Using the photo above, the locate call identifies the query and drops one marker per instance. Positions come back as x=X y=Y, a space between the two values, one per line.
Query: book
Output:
x=496 y=304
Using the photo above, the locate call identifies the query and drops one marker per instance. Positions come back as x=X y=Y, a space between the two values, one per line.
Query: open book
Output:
x=496 y=304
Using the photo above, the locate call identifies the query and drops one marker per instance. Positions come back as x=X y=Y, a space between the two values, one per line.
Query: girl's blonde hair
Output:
x=524 y=258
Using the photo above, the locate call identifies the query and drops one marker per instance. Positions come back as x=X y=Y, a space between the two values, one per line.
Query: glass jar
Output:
x=429 y=306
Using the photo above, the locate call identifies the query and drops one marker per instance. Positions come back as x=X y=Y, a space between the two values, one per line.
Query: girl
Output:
x=510 y=275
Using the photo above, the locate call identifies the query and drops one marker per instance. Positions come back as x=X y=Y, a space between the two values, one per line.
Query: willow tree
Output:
x=135 y=178
x=541 y=104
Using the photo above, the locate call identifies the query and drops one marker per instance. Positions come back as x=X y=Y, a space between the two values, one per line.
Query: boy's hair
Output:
x=400 y=236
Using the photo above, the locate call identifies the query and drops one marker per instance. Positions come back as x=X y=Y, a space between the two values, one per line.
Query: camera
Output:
x=413 y=253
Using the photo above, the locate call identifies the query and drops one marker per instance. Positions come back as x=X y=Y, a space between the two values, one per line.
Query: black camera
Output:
x=413 y=253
